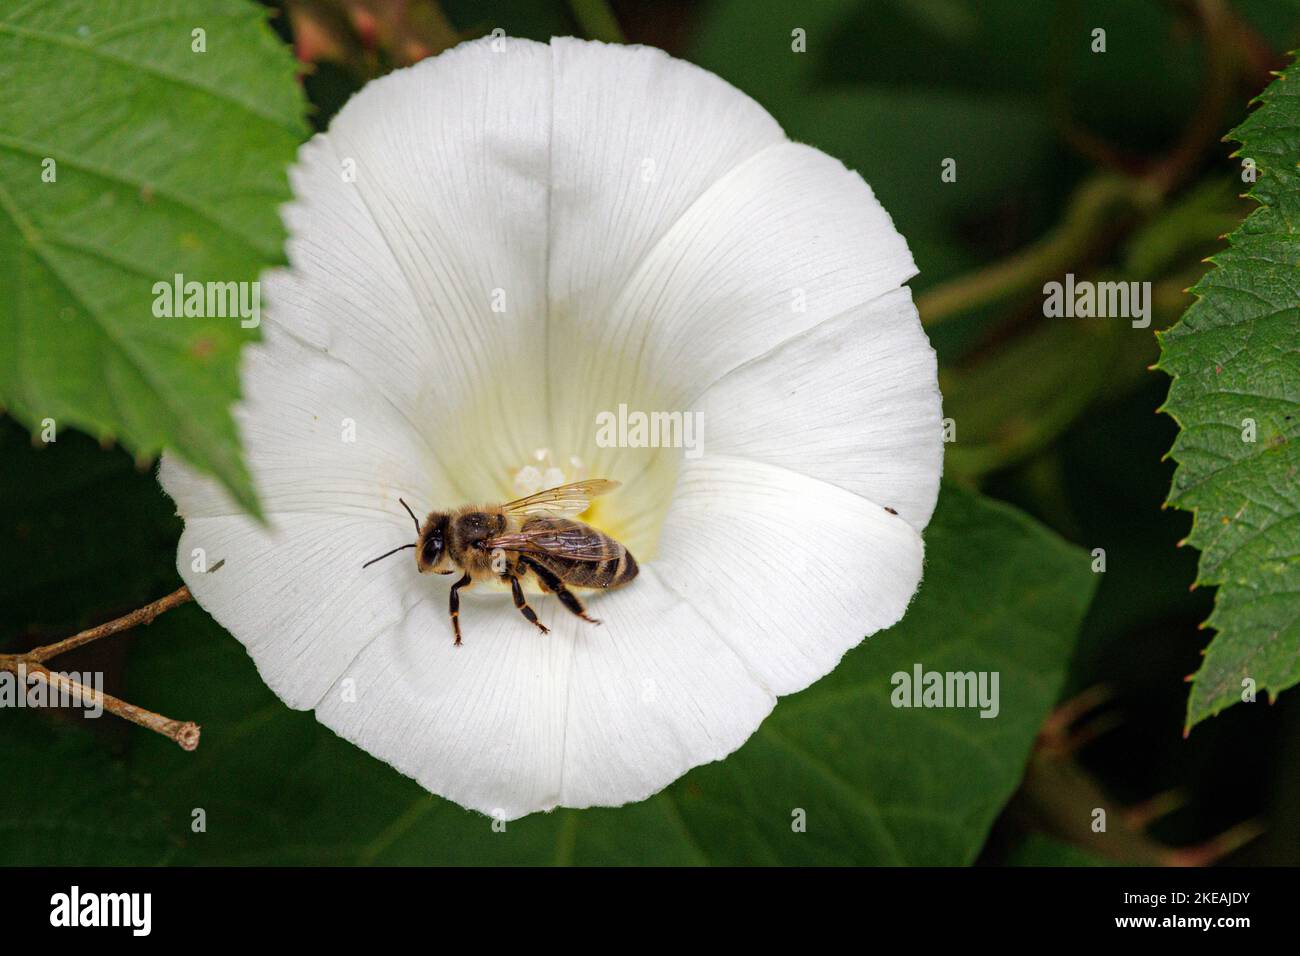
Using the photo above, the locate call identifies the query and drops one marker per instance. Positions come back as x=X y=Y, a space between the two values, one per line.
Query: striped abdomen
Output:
x=611 y=572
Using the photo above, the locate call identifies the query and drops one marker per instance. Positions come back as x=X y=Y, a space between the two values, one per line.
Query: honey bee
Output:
x=537 y=534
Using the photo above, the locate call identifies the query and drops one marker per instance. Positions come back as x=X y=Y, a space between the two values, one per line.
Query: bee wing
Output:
x=564 y=501
x=569 y=539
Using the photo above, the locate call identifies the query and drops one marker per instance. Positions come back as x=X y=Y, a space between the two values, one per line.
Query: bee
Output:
x=535 y=535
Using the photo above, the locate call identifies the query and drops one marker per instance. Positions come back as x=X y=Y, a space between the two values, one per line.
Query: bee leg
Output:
x=529 y=614
x=551 y=582
x=464 y=582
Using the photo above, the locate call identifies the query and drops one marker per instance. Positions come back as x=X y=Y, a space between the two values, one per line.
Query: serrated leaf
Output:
x=1235 y=362
x=128 y=156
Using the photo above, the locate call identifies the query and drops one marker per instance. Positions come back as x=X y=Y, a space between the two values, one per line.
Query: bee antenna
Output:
x=412 y=514
x=382 y=556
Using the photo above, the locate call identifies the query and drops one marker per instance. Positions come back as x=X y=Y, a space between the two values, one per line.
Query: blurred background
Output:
x=1108 y=165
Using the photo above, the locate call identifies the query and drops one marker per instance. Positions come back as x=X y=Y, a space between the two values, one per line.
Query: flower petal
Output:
x=295 y=595
x=427 y=271
x=318 y=439
x=654 y=691
x=854 y=402
x=481 y=724
x=783 y=242
x=792 y=570
x=294 y=592
x=514 y=722
x=638 y=138
x=513 y=176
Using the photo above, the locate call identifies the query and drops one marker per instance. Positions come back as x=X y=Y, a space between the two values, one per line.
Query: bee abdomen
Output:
x=615 y=571
x=610 y=573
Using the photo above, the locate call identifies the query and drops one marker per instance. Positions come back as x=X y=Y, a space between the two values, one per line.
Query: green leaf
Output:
x=164 y=161
x=753 y=44
x=1235 y=362
x=877 y=784
x=1039 y=850
x=1019 y=399
x=49 y=817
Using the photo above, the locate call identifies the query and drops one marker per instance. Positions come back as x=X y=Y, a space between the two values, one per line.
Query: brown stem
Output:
x=1059 y=796
x=1206 y=120
x=1098 y=199
x=184 y=733
x=143 y=615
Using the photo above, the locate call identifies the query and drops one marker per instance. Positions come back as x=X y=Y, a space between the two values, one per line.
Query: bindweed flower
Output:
x=498 y=259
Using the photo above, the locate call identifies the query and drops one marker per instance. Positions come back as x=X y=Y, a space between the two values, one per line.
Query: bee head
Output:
x=431 y=552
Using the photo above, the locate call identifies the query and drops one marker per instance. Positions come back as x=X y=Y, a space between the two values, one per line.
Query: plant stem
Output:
x=143 y=615
x=1206 y=120
x=1091 y=208
x=1096 y=199
x=184 y=733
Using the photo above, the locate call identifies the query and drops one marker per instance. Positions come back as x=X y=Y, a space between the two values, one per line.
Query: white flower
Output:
x=488 y=250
